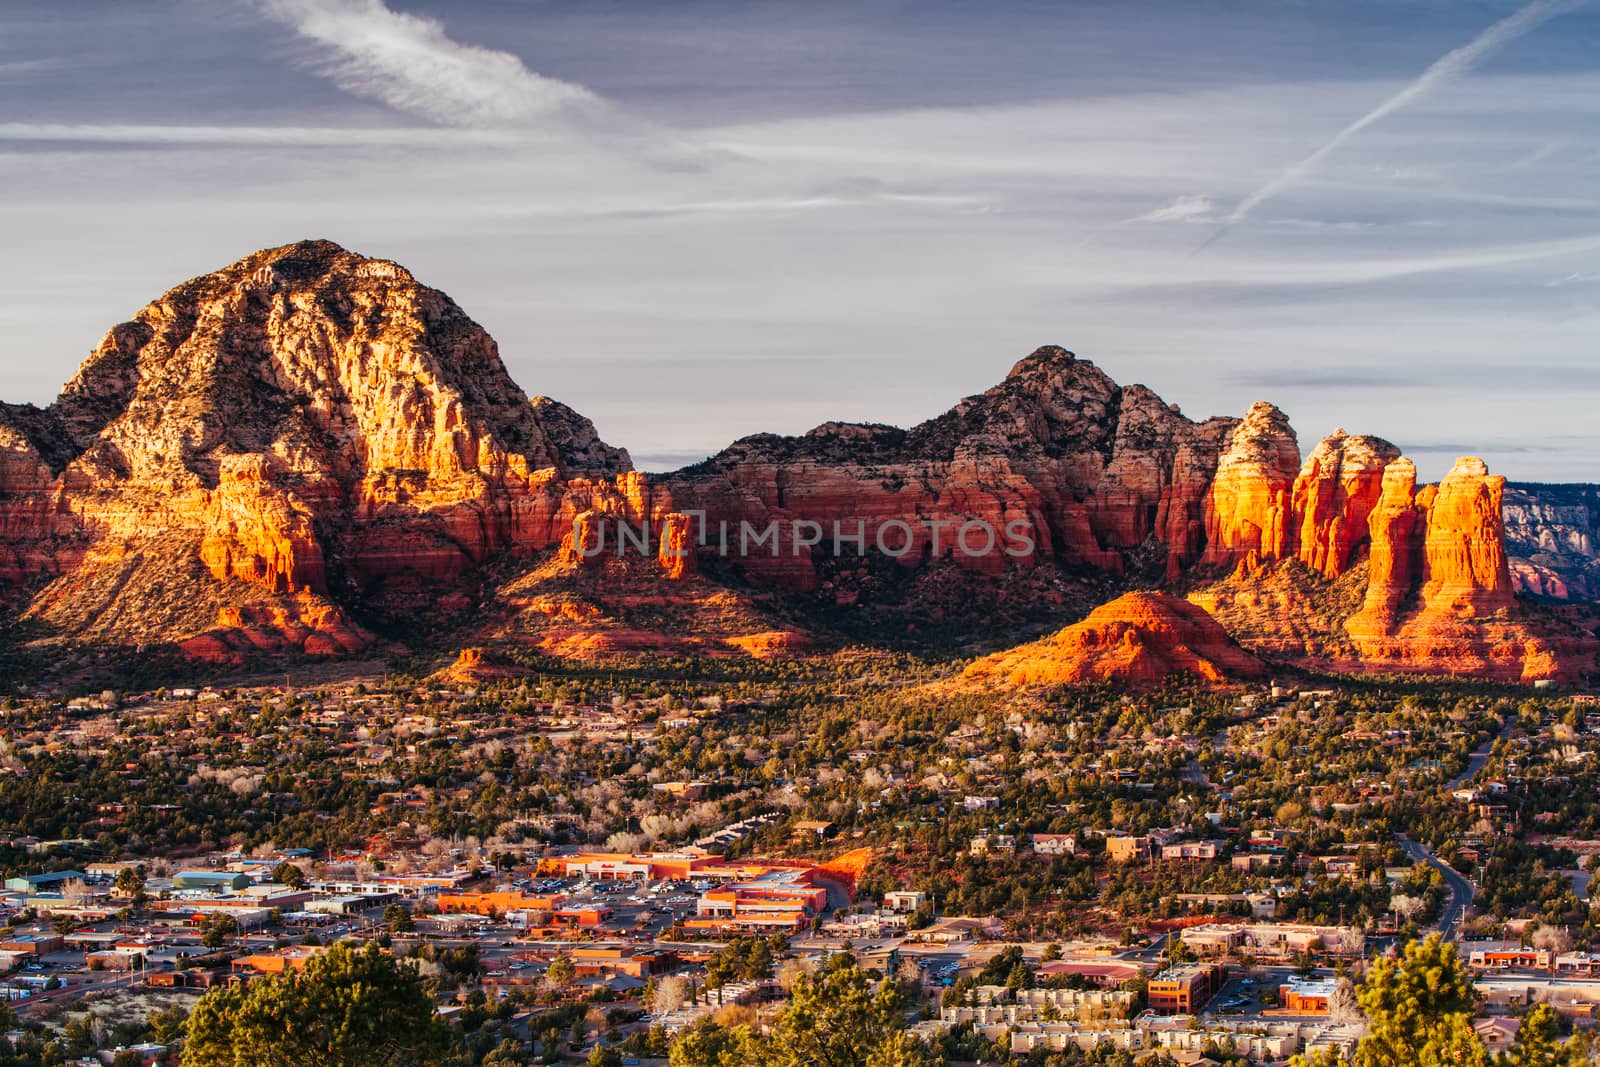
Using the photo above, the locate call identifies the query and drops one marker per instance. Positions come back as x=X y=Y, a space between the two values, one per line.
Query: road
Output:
x=1476 y=761
x=95 y=984
x=1461 y=890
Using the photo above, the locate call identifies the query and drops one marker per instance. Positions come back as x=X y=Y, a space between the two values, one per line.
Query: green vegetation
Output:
x=834 y=1017
x=348 y=1008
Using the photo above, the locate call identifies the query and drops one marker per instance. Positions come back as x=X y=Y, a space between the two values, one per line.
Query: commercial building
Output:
x=1507 y=956
x=779 y=901
x=211 y=881
x=34 y=883
x=1308 y=996
x=1184 y=989
x=500 y=902
x=607 y=960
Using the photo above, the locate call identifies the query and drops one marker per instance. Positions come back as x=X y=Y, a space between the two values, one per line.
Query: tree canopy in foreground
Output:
x=347 y=1008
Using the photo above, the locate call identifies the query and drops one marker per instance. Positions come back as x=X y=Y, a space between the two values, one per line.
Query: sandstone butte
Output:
x=1139 y=639
x=309 y=436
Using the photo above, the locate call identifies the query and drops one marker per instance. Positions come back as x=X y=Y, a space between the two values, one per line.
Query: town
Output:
x=592 y=867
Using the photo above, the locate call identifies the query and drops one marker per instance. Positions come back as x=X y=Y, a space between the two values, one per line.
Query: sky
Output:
x=693 y=221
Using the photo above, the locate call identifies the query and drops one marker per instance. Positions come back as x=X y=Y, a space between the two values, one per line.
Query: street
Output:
x=1461 y=890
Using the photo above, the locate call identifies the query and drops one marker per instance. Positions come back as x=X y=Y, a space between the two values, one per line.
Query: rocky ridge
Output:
x=309 y=437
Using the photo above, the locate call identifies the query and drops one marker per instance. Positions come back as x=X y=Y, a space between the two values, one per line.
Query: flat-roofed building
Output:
x=1185 y=988
x=904 y=900
x=622 y=959
x=1507 y=956
x=1308 y=996
x=213 y=881
x=500 y=902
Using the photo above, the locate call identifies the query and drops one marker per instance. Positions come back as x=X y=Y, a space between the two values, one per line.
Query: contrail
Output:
x=1451 y=66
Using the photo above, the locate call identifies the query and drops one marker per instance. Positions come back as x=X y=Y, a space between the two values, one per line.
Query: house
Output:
x=1498 y=1032
x=1122 y=848
x=1055 y=845
x=1192 y=850
x=983 y=844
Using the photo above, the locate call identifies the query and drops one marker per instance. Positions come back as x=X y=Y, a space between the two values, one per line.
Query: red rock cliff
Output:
x=1248 y=507
x=1077 y=468
x=1334 y=495
x=303 y=406
x=1439 y=594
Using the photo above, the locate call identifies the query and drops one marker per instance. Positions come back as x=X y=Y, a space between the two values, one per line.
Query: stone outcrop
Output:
x=1334 y=494
x=1057 y=462
x=676 y=547
x=1464 y=552
x=1395 y=527
x=1439 y=591
x=301 y=416
x=309 y=436
x=1247 y=510
x=1137 y=639
x=1266 y=505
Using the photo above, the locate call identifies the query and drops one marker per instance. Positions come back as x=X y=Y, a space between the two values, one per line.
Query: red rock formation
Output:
x=1464 y=553
x=308 y=428
x=676 y=552
x=1439 y=592
x=1334 y=494
x=303 y=624
x=257 y=533
x=1138 y=639
x=1248 y=509
x=303 y=405
x=587 y=543
x=1056 y=462
x=772 y=644
x=1395 y=566
x=38 y=534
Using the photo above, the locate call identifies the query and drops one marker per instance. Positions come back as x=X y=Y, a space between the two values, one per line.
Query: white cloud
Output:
x=409 y=63
x=282 y=136
x=1183 y=209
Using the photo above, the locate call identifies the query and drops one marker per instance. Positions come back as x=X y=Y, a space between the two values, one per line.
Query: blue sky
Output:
x=693 y=221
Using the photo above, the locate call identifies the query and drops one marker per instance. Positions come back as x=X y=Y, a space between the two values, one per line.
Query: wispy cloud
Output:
x=1267 y=274
x=1182 y=209
x=130 y=133
x=1453 y=65
x=409 y=63
x=1575 y=278
x=12 y=68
